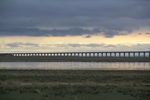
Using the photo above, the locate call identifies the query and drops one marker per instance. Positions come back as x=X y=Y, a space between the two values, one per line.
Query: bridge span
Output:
x=117 y=56
x=89 y=54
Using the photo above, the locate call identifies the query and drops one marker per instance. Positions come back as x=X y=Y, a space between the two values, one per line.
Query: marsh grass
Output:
x=74 y=85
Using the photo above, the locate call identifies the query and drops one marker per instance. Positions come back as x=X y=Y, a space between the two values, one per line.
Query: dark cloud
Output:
x=46 y=32
x=25 y=17
x=87 y=36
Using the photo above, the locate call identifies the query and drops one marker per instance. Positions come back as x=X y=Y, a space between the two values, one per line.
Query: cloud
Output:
x=25 y=17
x=46 y=32
x=76 y=47
x=20 y=44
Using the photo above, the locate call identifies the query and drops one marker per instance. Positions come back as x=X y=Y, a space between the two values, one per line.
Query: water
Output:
x=76 y=65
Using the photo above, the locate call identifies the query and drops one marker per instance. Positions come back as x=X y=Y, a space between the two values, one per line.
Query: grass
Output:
x=74 y=85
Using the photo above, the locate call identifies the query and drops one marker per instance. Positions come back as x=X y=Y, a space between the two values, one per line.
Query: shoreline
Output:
x=74 y=59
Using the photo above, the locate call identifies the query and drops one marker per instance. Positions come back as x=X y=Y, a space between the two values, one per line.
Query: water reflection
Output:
x=76 y=65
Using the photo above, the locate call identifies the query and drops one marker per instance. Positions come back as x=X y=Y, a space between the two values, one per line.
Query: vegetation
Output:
x=74 y=85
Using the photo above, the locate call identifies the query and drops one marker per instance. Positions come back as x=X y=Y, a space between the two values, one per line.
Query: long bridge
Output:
x=86 y=54
x=78 y=56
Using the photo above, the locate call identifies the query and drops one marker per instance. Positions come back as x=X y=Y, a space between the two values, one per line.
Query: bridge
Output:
x=78 y=56
x=87 y=54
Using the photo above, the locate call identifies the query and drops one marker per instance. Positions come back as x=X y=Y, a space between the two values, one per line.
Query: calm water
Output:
x=75 y=65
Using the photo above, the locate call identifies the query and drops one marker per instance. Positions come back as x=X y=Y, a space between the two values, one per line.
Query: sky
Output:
x=74 y=25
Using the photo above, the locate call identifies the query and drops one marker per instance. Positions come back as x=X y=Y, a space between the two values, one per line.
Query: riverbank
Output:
x=74 y=85
x=71 y=59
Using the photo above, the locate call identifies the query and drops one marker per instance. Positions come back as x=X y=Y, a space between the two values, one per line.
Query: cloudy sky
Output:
x=74 y=25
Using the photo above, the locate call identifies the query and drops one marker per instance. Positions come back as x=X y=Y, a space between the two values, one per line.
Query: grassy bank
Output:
x=74 y=85
x=76 y=59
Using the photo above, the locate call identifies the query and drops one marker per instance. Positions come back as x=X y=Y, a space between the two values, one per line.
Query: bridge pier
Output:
x=114 y=54
x=94 y=54
x=144 y=54
x=102 y=54
x=133 y=54
x=129 y=55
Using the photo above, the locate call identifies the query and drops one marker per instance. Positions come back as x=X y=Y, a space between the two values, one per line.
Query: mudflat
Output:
x=74 y=85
